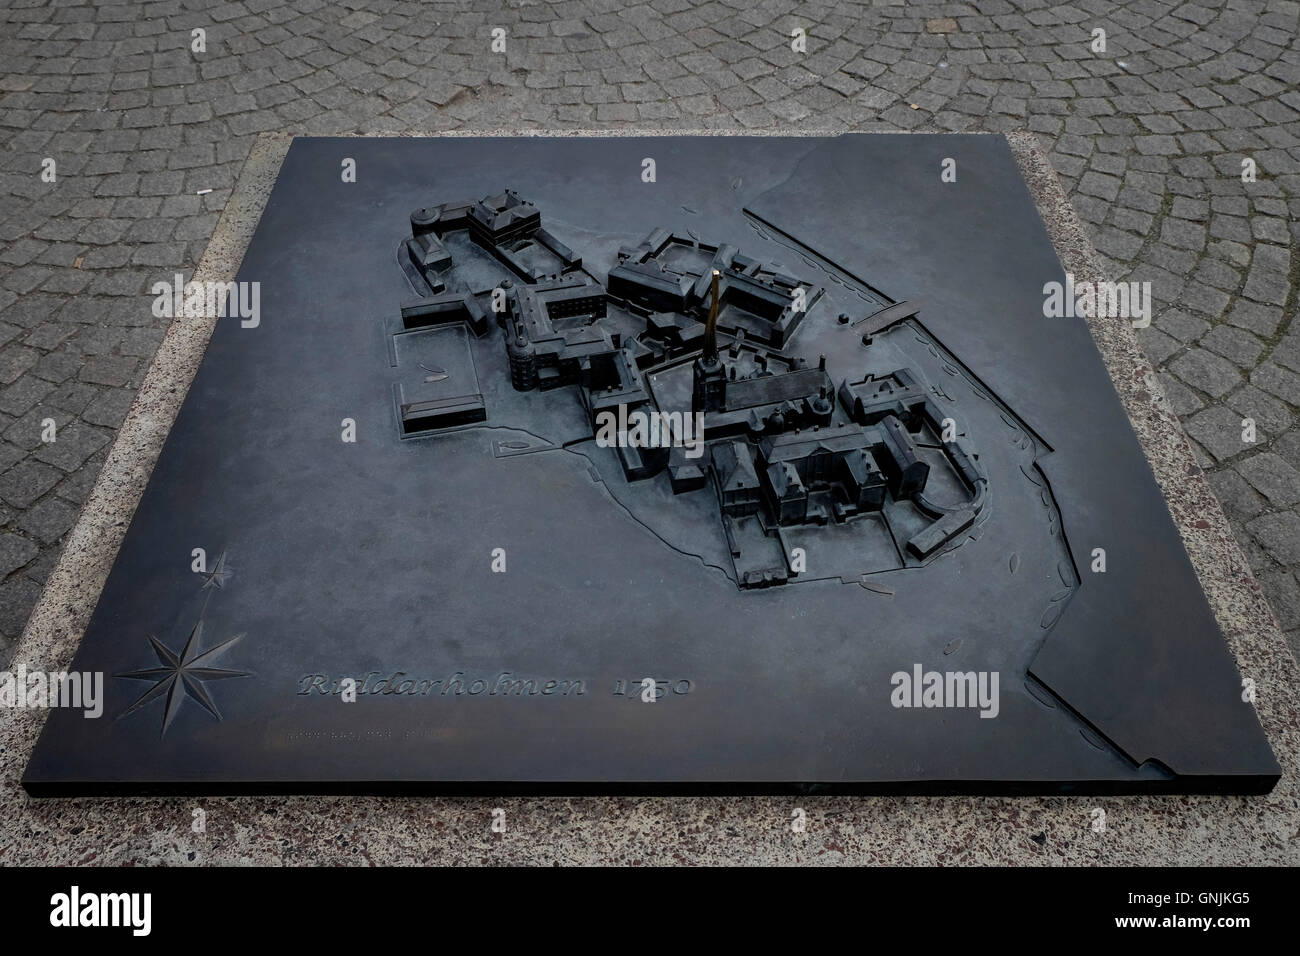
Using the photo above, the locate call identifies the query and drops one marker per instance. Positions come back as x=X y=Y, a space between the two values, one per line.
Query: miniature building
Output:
x=553 y=333
x=876 y=396
x=671 y=273
x=732 y=466
x=835 y=465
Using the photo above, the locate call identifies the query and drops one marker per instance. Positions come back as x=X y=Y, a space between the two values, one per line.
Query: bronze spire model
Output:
x=711 y=327
x=710 y=375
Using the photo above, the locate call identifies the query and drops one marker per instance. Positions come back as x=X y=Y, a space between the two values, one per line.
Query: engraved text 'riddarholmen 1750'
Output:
x=457 y=684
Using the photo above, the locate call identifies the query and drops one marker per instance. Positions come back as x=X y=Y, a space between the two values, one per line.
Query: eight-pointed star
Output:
x=182 y=676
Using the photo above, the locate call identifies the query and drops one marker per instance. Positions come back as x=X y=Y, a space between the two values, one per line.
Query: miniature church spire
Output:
x=710 y=375
x=711 y=327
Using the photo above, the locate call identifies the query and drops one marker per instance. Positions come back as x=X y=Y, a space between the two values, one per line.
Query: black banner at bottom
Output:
x=217 y=906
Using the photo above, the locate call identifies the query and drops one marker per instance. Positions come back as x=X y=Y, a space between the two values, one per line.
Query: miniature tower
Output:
x=709 y=390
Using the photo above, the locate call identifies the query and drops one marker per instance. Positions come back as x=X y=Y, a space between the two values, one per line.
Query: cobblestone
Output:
x=1150 y=137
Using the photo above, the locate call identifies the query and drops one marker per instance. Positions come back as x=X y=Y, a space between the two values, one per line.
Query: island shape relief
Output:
x=782 y=424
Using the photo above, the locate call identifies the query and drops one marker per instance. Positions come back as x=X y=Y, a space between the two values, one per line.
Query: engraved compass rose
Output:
x=181 y=676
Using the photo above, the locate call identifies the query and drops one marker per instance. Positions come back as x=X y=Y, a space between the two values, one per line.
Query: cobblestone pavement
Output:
x=1149 y=137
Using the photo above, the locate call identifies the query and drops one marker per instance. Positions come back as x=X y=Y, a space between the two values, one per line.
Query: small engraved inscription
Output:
x=456 y=684
x=635 y=689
